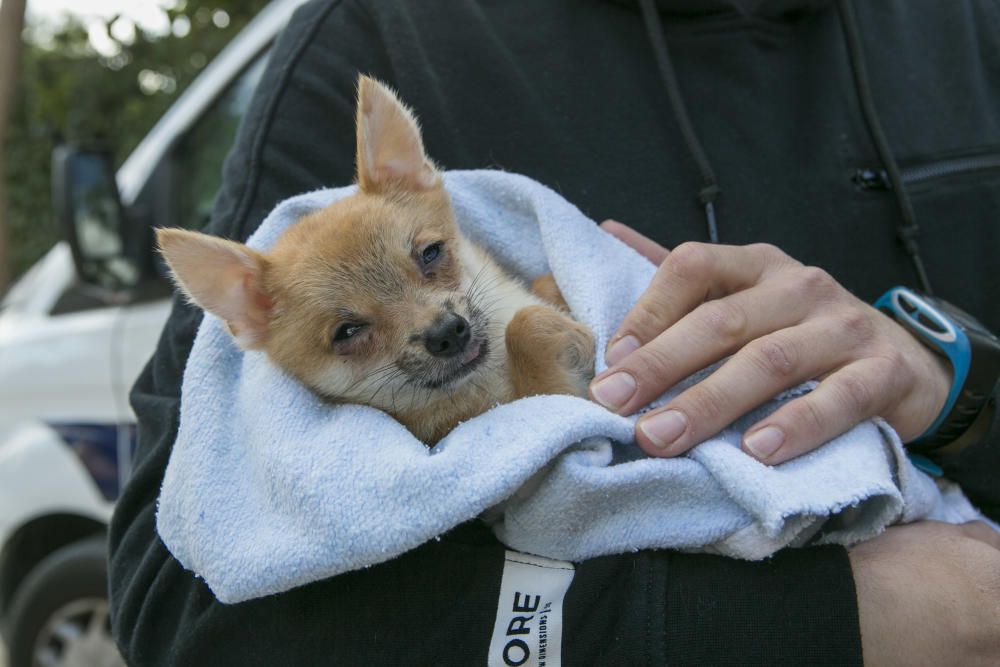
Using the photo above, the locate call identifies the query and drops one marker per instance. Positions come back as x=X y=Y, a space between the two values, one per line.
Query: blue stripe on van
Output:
x=96 y=445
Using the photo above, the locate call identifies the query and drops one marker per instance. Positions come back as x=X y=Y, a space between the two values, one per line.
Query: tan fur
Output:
x=358 y=264
x=546 y=287
x=548 y=354
x=222 y=277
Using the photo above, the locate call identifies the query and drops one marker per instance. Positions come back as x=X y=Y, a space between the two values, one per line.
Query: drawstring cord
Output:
x=710 y=190
x=908 y=231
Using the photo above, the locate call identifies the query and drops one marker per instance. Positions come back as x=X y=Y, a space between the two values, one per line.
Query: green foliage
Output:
x=69 y=93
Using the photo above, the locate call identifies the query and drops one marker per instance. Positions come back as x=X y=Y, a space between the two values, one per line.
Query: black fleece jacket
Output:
x=567 y=92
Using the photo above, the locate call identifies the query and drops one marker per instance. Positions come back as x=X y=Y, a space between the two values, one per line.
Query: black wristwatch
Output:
x=974 y=355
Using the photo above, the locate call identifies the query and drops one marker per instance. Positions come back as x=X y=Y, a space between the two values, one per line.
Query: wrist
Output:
x=969 y=352
x=935 y=380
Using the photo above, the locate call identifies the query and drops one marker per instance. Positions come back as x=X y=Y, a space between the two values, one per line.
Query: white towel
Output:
x=269 y=488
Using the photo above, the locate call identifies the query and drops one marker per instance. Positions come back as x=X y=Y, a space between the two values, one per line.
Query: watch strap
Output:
x=973 y=354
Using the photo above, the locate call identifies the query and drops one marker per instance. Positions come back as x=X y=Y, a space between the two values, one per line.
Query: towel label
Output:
x=528 y=629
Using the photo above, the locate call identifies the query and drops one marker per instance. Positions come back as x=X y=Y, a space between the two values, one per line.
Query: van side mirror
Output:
x=90 y=214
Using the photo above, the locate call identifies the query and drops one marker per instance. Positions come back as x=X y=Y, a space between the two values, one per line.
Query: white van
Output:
x=75 y=331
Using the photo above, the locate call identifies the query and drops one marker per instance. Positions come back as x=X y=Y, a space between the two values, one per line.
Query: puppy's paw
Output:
x=549 y=353
x=578 y=355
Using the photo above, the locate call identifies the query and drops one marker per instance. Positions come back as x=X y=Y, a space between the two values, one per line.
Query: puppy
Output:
x=379 y=299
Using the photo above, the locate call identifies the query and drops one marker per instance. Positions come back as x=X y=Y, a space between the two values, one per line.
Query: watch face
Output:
x=964 y=320
x=974 y=354
x=925 y=316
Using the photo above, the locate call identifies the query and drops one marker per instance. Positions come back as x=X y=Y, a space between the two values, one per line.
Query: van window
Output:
x=201 y=152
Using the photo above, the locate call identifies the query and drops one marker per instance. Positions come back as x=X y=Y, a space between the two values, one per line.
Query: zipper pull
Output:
x=872 y=179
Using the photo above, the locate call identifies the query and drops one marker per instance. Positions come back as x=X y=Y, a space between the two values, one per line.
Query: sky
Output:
x=143 y=14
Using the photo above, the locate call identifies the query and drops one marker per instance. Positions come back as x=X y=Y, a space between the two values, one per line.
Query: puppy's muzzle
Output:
x=448 y=336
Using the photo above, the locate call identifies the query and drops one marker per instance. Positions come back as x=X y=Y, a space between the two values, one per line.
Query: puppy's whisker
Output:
x=484 y=288
x=490 y=307
x=369 y=376
x=476 y=290
x=475 y=280
x=486 y=291
x=380 y=369
x=382 y=384
x=405 y=384
x=479 y=290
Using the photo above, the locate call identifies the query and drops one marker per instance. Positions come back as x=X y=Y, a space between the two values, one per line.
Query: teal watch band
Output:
x=937 y=332
x=973 y=354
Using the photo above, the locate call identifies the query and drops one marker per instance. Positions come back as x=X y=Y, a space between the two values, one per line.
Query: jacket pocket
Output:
x=877 y=178
x=956 y=199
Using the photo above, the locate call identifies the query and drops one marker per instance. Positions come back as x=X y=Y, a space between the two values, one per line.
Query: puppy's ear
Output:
x=222 y=277
x=390 y=150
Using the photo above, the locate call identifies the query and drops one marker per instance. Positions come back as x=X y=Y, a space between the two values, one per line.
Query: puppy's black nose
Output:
x=448 y=336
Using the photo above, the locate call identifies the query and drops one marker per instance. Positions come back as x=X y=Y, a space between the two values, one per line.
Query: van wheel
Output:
x=60 y=614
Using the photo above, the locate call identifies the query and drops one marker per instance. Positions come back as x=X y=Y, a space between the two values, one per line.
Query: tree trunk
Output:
x=11 y=26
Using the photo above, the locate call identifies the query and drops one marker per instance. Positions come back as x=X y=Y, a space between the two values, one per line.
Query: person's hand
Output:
x=929 y=594
x=784 y=323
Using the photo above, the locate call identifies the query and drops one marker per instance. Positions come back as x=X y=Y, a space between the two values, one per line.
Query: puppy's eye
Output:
x=347 y=331
x=431 y=253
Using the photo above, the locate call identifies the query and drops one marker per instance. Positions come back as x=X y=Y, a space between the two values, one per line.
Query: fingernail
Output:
x=765 y=442
x=665 y=427
x=614 y=390
x=620 y=349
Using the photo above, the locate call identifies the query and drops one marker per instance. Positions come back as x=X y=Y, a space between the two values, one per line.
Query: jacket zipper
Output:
x=878 y=179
